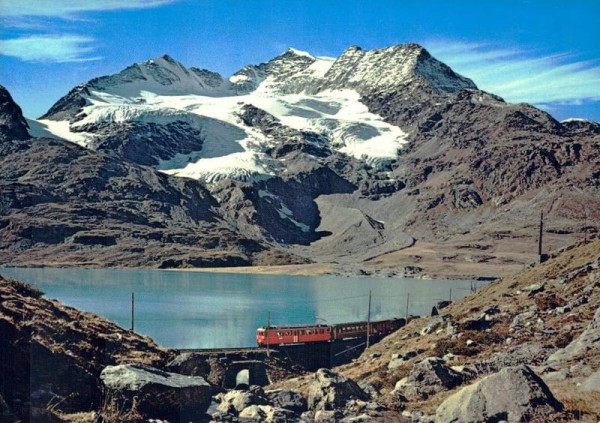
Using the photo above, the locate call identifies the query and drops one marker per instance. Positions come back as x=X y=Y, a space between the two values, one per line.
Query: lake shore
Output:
x=421 y=261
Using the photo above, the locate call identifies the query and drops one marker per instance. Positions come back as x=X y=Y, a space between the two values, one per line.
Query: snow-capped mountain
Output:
x=330 y=159
x=320 y=97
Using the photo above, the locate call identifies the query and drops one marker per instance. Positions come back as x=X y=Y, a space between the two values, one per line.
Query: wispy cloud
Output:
x=49 y=48
x=70 y=8
x=44 y=30
x=523 y=76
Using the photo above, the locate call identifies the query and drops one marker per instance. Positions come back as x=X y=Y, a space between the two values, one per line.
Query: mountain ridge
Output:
x=392 y=134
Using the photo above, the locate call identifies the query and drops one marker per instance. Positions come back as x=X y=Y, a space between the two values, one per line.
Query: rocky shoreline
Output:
x=523 y=348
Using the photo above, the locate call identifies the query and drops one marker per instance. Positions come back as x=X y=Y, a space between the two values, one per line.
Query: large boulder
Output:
x=236 y=400
x=151 y=393
x=330 y=391
x=587 y=342
x=513 y=394
x=290 y=400
x=428 y=377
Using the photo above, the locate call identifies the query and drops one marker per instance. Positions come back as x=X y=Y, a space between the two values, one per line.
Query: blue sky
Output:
x=543 y=52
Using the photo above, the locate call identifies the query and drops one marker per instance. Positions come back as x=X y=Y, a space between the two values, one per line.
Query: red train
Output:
x=283 y=335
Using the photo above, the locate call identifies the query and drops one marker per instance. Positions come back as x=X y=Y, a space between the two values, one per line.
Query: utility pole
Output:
x=132 y=311
x=369 y=321
x=407 y=300
x=540 y=236
x=267 y=333
x=450 y=297
x=585 y=226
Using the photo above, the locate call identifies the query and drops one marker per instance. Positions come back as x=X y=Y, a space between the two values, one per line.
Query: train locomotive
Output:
x=273 y=336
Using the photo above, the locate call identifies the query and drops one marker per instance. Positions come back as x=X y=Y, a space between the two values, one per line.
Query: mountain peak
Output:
x=12 y=123
x=299 y=53
x=390 y=68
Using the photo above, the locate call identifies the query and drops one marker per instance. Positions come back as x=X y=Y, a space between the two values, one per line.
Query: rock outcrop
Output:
x=586 y=343
x=426 y=378
x=513 y=394
x=12 y=124
x=330 y=391
x=289 y=400
x=145 y=392
x=234 y=401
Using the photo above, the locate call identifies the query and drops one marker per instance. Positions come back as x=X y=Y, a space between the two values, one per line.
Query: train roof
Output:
x=363 y=322
x=294 y=326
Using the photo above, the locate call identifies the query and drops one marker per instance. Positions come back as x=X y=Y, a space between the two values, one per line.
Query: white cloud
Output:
x=49 y=48
x=520 y=76
x=49 y=16
x=70 y=8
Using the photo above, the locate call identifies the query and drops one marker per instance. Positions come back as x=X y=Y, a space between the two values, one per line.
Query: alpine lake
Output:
x=186 y=309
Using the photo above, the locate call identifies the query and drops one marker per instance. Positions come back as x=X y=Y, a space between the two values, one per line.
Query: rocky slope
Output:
x=64 y=205
x=524 y=348
x=52 y=355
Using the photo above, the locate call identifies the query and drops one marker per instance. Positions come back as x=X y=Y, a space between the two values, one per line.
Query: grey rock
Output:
x=557 y=375
x=267 y=414
x=591 y=383
x=369 y=389
x=235 y=401
x=400 y=359
x=426 y=378
x=328 y=416
x=588 y=341
x=513 y=394
x=432 y=324
x=290 y=400
x=159 y=394
x=523 y=319
x=220 y=416
x=528 y=353
x=451 y=329
x=329 y=390
x=534 y=289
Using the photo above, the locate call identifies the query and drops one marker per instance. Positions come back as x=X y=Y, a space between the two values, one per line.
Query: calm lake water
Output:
x=206 y=310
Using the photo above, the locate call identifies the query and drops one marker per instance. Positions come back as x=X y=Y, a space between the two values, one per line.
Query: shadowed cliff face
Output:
x=12 y=123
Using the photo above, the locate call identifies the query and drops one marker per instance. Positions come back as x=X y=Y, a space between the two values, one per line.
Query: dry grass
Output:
x=579 y=406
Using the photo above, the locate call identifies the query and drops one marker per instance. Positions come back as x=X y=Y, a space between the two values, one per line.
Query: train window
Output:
x=279 y=334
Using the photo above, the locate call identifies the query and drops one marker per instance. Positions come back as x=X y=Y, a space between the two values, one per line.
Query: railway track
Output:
x=212 y=350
